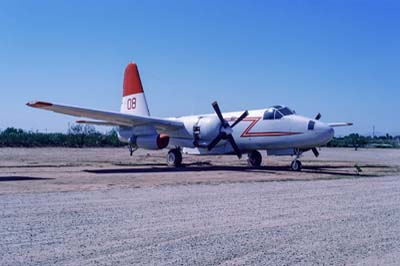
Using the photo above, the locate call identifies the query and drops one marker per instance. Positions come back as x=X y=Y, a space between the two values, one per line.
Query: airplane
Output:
x=278 y=129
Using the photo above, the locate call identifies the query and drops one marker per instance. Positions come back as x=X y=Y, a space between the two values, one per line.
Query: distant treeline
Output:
x=78 y=136
x=359 y=141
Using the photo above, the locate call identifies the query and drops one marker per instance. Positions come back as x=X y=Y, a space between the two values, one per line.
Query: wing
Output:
x=109 y=118
x=344 y=124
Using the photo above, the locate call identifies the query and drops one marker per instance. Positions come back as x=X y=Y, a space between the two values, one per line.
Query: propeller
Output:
x=315 y=151
x=226 y=130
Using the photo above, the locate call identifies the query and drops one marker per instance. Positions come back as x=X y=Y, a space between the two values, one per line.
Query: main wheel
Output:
x=296 y=165
x=174 y=157
x=254 y=159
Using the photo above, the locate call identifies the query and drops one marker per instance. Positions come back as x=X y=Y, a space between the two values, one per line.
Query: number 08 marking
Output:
x=131 y=103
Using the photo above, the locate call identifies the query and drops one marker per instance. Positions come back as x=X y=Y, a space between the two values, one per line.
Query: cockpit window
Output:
x=269 y=115
x=278 y=115
x=285 y=111
x=277 y=112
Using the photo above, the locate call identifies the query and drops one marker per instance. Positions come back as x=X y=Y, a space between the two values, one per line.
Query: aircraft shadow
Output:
x=201 y=167
x=183 y=168
x=22 y=178
x=207 y=163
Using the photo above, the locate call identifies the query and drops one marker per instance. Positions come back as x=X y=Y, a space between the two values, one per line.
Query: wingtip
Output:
x=38 y=104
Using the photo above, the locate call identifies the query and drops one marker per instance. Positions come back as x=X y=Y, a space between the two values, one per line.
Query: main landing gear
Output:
x=296 y=164
x=254 y=158
x=174 y=157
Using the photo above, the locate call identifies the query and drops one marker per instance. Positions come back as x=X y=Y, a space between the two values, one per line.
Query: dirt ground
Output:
x=62 y=169
x=102 y=207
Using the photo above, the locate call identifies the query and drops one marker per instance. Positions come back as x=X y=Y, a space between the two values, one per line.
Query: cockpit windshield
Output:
x=286 y=111
x=277 y=112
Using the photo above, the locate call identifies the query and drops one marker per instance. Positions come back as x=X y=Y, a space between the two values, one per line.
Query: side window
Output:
x=278 y=115
x=268 y=115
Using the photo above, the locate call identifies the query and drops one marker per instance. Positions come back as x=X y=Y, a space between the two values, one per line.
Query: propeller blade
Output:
x=214 y=142
x=318 y=117
x=243 y=116
x=225 y=135
x=234 y=146
x=218 y=111
x=315 y=151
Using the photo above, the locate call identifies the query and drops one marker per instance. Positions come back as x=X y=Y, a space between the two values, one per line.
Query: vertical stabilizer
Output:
x=133 y=98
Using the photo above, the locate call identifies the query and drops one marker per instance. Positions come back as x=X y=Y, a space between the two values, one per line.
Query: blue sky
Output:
x=340 y=58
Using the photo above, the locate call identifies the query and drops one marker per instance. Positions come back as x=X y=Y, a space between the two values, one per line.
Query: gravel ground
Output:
x=335 y=222
x=102 y=207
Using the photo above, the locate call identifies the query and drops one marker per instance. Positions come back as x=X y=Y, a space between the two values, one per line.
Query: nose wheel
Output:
x=296 y=165
x=174 y=158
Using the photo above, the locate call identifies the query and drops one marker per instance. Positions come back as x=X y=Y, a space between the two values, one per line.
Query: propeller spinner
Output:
x=226 y=130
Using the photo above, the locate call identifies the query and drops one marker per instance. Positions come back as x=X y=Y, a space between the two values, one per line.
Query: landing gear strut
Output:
x=131 y=145
x=132 y=149
x=254 y=159
x=174 y=157
x=296 y=164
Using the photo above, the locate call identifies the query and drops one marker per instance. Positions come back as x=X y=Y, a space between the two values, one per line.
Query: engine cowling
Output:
x=151 y=142
x=209 y=127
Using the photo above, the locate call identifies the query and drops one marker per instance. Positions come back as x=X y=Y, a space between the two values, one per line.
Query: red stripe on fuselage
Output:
x=254 y=121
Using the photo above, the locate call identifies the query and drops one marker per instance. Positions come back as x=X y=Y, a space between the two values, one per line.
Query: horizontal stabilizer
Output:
x=341 y=124
x=100 y=123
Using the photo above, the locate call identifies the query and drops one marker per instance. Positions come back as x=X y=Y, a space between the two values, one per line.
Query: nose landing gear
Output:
x=296 y=164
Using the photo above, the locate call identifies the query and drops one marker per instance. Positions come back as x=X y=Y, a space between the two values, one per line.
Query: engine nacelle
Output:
x=151 y=142
x=209 y=127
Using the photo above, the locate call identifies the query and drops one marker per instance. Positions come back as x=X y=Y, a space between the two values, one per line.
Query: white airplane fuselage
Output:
x=253 y=133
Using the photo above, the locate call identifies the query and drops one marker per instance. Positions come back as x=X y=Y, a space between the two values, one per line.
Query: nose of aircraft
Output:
x=325 y=132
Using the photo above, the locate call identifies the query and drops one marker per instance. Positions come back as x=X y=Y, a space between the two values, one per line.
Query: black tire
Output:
x=174 y=158
x=254 y=159
x=296 y=165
